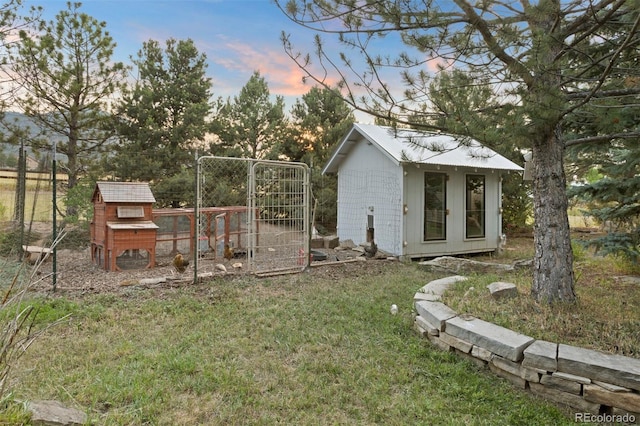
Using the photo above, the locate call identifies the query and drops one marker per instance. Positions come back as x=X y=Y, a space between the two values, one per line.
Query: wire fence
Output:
x=255 y=213
x=250 y=215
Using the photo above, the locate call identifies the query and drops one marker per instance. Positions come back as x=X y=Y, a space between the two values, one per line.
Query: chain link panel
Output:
x=253 y=212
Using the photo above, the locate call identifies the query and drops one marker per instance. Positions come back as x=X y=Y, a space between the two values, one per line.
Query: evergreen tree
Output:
x=68 y=79
x=319 y=121
x=11 y=22
x=163 y=120
x=250 y=126
x=520 y=52
x=465 y=105
x=614 y=200
x=607 y=167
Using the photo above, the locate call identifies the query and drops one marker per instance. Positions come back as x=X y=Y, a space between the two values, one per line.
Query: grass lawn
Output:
x=606 y=316
x=311 y=349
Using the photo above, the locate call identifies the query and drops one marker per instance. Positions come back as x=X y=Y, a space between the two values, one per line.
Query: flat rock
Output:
x=426 y=296
x=459 y=265
x=526 y=264
x=572 y=400
x=541 y=355
x=626 y=279
x=317 y=243
x=331 y=241
x=502 y=290
x=629 y=401
x=153 y=281
x=454 y=342
x=438 y=287
x=615 y=369
x=494 y=338
x=435 y=313
x=53 y=413
x=424 y=327
x=555 y=382
x=347 y=245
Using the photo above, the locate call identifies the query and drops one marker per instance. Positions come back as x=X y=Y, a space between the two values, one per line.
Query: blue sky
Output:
x=237 y=36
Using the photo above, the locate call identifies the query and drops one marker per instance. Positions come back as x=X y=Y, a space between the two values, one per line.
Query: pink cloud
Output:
x=437 y=64
x=283 y=75
x=281 y=72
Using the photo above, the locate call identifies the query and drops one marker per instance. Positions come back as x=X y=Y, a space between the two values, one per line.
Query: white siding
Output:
x=370 y=184
x=375 y=178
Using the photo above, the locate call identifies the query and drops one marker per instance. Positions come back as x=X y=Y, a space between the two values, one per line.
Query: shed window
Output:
x=475 y=206
x=435 y=206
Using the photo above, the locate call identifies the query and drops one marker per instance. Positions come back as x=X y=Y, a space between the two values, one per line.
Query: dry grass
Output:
x=38 y=200
x=606 y=316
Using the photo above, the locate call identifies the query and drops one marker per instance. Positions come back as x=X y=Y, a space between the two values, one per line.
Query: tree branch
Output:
x=602 y=138
x=481 y=25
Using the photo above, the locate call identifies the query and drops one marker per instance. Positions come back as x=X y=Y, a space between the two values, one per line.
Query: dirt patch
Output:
x=77 y=275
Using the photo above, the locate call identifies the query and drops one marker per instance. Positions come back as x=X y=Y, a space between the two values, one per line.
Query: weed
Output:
x=19 y=325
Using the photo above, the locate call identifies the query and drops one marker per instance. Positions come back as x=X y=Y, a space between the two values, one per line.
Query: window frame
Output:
x=442 y=212
x=474 y=216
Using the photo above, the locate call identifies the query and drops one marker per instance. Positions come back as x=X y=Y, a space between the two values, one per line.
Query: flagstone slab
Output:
x=494 y=338
x=610 y=368
x=435 y=313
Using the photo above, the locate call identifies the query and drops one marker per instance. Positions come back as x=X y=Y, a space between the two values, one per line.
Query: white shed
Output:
x=418 y=194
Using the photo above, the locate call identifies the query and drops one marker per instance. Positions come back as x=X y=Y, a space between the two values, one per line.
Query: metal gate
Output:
x=253 y=213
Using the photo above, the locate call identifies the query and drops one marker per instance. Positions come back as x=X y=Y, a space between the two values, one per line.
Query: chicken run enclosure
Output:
x=263 y=217
x=250 y=215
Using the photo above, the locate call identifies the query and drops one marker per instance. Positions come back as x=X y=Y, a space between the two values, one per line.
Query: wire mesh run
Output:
x=264 y=219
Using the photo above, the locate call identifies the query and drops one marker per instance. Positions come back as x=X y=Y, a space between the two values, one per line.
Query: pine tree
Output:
x=250 y=125
x=68 y=79
x=163 y=120
x=603 y=142
x=521 y=52
x=319 y=121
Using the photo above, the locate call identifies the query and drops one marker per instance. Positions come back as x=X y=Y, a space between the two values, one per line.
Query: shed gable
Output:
x=411 y=146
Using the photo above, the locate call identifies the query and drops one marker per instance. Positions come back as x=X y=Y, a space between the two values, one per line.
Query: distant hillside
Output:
x=19 y=120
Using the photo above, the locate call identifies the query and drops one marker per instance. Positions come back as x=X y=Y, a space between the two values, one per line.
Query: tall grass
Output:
x=20 y=323
x=315 y=348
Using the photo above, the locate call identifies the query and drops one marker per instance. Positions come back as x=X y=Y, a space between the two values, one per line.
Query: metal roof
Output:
x=125 y=192
x=414 y=146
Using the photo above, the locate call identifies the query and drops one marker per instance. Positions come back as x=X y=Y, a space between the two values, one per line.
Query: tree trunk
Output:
x=72 y=161
x=553 y=278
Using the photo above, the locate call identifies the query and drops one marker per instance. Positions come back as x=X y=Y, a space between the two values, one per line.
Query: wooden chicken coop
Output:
x=123 y=234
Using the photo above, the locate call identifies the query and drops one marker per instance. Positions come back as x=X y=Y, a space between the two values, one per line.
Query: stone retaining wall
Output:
x=598 y=386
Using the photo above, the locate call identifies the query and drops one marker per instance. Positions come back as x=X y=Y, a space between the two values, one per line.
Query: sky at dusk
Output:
x=237 y=36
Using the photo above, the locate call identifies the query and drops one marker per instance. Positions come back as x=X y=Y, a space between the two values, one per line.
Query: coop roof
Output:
x=414 y=146
x=125 y=192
